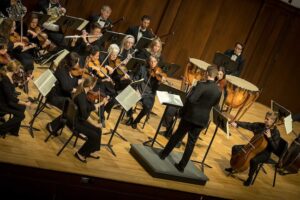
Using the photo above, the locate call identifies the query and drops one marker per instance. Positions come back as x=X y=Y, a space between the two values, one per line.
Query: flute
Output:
x=79 y=36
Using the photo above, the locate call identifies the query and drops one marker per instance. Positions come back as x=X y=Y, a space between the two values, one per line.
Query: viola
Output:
x=118 y=66
x=240 y=161
x=158 y=73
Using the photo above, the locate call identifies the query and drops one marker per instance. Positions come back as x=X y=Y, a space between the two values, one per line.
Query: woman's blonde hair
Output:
x=152 y=44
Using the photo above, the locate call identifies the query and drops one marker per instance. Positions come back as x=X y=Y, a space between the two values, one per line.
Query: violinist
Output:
x=194 y=116
x=142 y=30
x=270 y=133
x=147 y=88
x=9 y=103
x=154 y=49
x=36 y=36
x=85 y=124
x=117 y=68
x=17 y=48
x=4 y=56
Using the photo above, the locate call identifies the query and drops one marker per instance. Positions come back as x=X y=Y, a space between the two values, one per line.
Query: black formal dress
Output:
x=273 y=142
x=9 y=105
x=240 y=62
x=134 y=31
x=194 y=117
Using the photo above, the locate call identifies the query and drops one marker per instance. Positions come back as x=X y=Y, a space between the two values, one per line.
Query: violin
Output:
x=158 y=73
x=118 y=66
x=43 y=38
x=4 y=59
x=79 y=72
x=97 y=68
x=15 y=37
x=240 y=161
x=95 y=97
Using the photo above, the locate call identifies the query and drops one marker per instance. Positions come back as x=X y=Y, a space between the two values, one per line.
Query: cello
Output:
x=240 y=161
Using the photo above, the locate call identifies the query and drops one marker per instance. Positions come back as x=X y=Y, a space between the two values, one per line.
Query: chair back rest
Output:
x=70 y=113
x=282 y=148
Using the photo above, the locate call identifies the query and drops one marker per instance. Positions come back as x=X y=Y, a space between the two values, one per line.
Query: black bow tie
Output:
x=54 y=5
x=102 y=20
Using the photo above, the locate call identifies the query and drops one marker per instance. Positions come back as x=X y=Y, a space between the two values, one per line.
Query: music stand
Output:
x=58 y=56
x=167 y=99
x=70 y=23
x=113 y=37
x=127 y=99
x=221 y=59
x=284 y=115
x=221 y=122
x=42 y=17
x=44 y=83
x=134 y=63
x=143 y=42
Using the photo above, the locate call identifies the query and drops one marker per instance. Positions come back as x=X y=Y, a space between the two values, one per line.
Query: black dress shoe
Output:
x=248 y=181
x=179 y=167
x=230 y=170
x=129 y=121
x=79 y=158
x=49 y=130
x=134 y=125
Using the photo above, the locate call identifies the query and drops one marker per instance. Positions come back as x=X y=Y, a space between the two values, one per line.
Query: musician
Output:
x=36 y=36
x=4 y=57
x=45 y=5
x=126 y=48
x=236 y=55
x=147 y=88
x=16 y=48
x=194 y=116
x=142 y=30
x=9 y=103
x=221 y=78
x=55 y=10
x=82 y=45
x=154 y=49
x=271 y=133
x=66 y=83
x=103 y=19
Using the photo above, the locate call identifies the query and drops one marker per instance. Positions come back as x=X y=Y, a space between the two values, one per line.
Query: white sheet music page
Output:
x=288 y=124
x=165 y=97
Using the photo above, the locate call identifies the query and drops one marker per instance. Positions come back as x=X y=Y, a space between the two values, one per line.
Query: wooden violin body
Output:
x=240 y=160
x=97 y=68
x=158 y=73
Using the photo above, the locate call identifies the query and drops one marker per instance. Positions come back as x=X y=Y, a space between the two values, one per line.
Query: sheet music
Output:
x=166 y=98
x=128 y=97
x=82 y=25
x=45 y=82
x=288 y=124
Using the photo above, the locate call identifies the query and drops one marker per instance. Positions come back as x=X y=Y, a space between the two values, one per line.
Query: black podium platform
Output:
x=165 y=169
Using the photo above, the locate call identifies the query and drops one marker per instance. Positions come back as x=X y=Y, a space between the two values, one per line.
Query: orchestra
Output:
x=93 y=74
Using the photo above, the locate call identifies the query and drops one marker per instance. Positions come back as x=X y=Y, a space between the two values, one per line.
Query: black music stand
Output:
x=221 y=122
x=67 y=23
x=42 y=17
x=134 y=64
x=44 y=83
x=173 y=100
x=113 y=37
x=127 y=99
x=282 y=113
x=143 y=42
x=221 y=59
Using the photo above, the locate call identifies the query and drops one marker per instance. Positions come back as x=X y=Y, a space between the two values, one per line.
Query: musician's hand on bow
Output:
x=109 y=68
x=98 y=125
x=268 y=133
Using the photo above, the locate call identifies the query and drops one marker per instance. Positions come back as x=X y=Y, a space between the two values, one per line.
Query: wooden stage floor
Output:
x=34 y=152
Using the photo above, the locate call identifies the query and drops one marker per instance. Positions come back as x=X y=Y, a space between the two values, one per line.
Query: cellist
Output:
x=270 y=133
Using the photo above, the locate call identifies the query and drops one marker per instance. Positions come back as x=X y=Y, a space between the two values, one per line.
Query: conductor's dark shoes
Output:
x=129 y=121
x=179 y=167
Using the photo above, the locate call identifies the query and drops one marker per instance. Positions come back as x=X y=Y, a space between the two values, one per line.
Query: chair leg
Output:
x=70 y=138
x=74 y=145
x=275 y=174
x=256 y=173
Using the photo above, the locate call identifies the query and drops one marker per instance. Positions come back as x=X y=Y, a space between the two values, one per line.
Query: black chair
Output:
x=280 y=152
x=69 y=118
